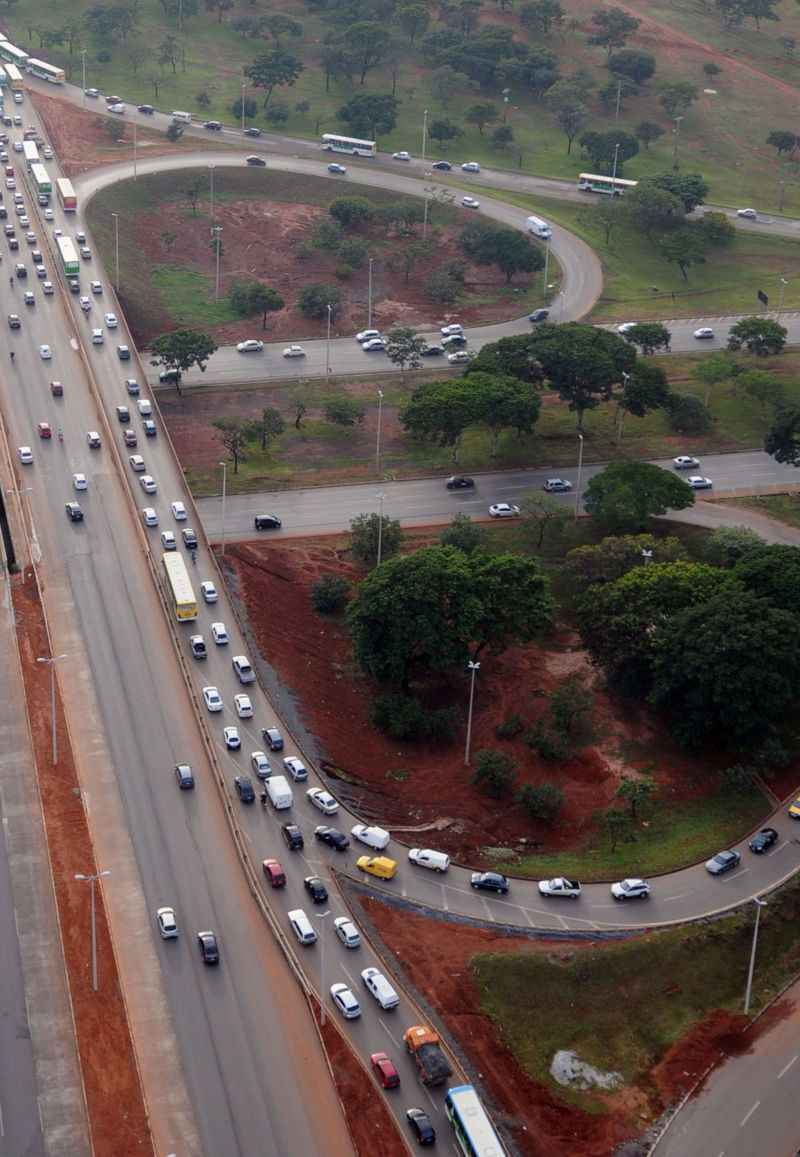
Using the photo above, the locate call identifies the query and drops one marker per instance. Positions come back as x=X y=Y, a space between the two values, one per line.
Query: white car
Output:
x=167 y=924
x=97 y=337
x=178 y=511
x=503 y=510
x=458 y=357
x=685 y=462
x=11 y=183
x=219 y=634
x=705 y=331
x=25 y=455
x=748 y=214
x=213 y=698
x=148 y=483
x=47 y=288
x=168 y=541
x=136 y=463
x=401 y=156
x=96 y=287
x=260 y=764
x=47 y=152
x=323 y=800
x=560 y=887
x=251 y=346
x=294 y=351
x=111 y=320
x=374 y=345
x=626 y=327
x=45 y=353
x=296 y=768
x=470 y=203
x=93 y=438
x=208 y=591
x=244 y=708
x=80 y=482
x=48 y=215
x=449 y=330
x=344 y=1000
x=149 y=516
x=231 y=737
x=557 y=485
x=631 y=890
x=347 y=932
x=367 y=334
x=85 y=303
x=470 y=167
x=698 y=482
x=379 y=987
x=372 y=836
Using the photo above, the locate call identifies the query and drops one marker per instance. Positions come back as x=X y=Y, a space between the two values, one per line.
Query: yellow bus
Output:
x=14 y=77
x=179 y=587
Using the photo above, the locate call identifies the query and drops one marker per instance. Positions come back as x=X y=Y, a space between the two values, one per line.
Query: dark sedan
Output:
x=762 y=841
x=460 y=482
x=316 y=889
x=332 y=837
x=244 y=787
x=489 y=882
x=421 y=1127
x=209 y=949
x=293 y=837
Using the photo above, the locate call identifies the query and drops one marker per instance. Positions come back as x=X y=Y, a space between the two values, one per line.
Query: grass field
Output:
x=620 y=1007
x=784 y=507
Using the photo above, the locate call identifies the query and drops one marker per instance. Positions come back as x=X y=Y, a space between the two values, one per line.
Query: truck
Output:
x=425 y=1047
x=279 y=792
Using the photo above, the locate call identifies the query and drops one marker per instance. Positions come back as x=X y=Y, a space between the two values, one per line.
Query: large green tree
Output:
x=582 y=363
x=369 y=42
x=783 y=439
x=611 y=558
x=509 y=355
x=649 y=336
x=684 y=247
x=440 y=412
x=652 y=210
x=626 y=495
x=182 y=349
x=772 y=572
x=368 y=115
x=503 y=403
x=760 y=335
x=644 y=389
x=691 y=188
x=509 y=249
x=612 y=27
x=272 y=70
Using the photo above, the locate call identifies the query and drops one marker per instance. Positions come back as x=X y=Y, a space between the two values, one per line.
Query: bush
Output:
x=313 y=300
x=277 y=113
x=353 y=252
x=303 y=250
x=510 y=728
x=344 y=411
x=404 y=717
x=364 y=540
x=327 y=235
x=103 y=56
x=344 y=271
x=688 y=415
x=494 y=774
x=442 y=287
x=729 y=544
x=541 y=803
x=549 y=744
x=329 y=594
x=772 y=753
x=738 y=778
x=203 y=99
x=463 y=534
x=568 y=724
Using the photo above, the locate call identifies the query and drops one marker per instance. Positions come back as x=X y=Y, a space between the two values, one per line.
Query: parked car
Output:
x=559 y=887
x=489 y=882
x=631 y=889
x=762 y=841
x=723 y=862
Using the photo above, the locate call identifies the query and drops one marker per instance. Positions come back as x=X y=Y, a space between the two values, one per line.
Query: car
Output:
x=167 y=924
x=184 y=776
x=213 y=126
x=13 y=244
x=48 y=215
x=149 y=427
x=252 y=131
x=189 y=538
x=57 y=389
x=169 y=376
x=123 y=414
x=626 y=327
x=47 y=153
x=273 y=738
x=794 y=809
x=489 y=882
x=208 y=591
x=371 y=835
x=92 y=92
x=383 y=867
x=685 y=462
x=378 y=986
x=48 y=288
x=273 y=870
x=316 y=889
x=111 y=320
x=421 y=1127
x=41 y=272
x=332 y=837
x=45 y=353
x=219 y=634
x=384 y=1070
x=243 y=705
x=132 y=386
x=147 y=109
x=374 y=345
x=178 y=511
x=432 y=351
x=723 y=862
x=231 y=737
x=449 y=330
x=705 y=331
x=254 y=160
x=260 y=764
x=296 y=768
x=243 y=669
x=347 y=932
x=401 y=156
x=336 y=168
x=168 y=540
x=631 y=889
x=197 y=645
x=442 y=166
x=113 y=99
x=470 y=203
x=539 y=315
x=148 y=483
x=344 y=1000
x=460 y=482
x=251 y=346
x=37 y=256
x=244 y=788
x=85 y=303
x=80 y=237
x=136 y=462
x=698 y=482
x=124 y=353
x=13 y=321
x=748 y=214
x=11 y=183
x=367 y=334
x=557 y=485
x=97 y=337
x=559 y=887
x=149 y=516
x=762 y=841
x=72 y=282
x=80 y=482
x=96 y=287
x=322 y=800
x=74 y=512
x=209 y=948
x=25 y=455
x=459 y=357
x=28 y=298
x=44 y=430
x=118 y=108
x=470 y=167
x=503 y=510
x=267 y=522
x=212 y=698
x=454 y=341
x=293 y=837
x=86 y=253
x=294 y=351
x=93 y=438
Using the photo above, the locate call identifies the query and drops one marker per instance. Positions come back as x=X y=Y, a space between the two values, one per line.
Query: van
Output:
x=144 y=407
x=539 y=228
x=427 y=858
x=372 y=836
x=301 y=926
x=380 y=866
x=380 y=988
x=179 y=115
x=279 y=792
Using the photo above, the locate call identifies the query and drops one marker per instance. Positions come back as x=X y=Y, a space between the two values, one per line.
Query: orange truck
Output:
x=425 y=1047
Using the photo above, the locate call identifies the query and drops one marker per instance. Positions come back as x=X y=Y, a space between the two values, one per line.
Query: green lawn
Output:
x=621 y=1006
x=784 y=507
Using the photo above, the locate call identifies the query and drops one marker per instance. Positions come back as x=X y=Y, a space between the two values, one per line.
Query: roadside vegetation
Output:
x=784 y=507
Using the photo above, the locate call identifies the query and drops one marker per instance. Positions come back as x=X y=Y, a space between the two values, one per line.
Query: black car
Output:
x=252 y=132
x=460 y=482
x=74 y=285
x=539 y=315
x=273 y=738
x=244 y=786
x=74 y=512
x=183 y=774
x=147 y=109
x=209 y=949
x=21 y=272
x=37 y=257
x=489 y=882
x=293 y=837
x=316 y=889
x=123 y=414
x=213 y=126
x=762 y=841
x=442 y=166
x=332 y=837
x=432 y=351
x=421 y=1127
x=189 y=538
x=254 y=160
x=3 y=213
x=123 y=353
x=267 y=522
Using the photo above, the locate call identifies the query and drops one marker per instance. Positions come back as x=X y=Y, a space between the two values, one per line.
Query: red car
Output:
x=44 y=430
x=274 y=873
x=385 y=1071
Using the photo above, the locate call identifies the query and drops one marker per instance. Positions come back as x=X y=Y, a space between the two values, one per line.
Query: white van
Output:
x=145 y=408
x=373 y=837
x=539 y=228
x=301 y=926
x=178 y=115
x=427 y=858
x=380 y=988
x=279 y=792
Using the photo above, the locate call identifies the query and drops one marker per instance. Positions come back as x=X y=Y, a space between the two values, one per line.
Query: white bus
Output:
x=14 y=77
x=41 y=179
x=15 y=55
x=66 y=195
x=333 y=143
x=474 y=1132
x=611 y=186
x=30 y=151
x=45 y=71
x=179 y=587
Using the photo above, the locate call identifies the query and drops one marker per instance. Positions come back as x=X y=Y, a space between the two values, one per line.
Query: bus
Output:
x=14 y=77
x=45 y=71
x=179 y=587
x=3 y=78
x=10 y=52
x=30 y=151
x=41 y=179
x=612 y=186
x=332 y=143
x=66 y=195
x=69 y=256
x=474 y=1132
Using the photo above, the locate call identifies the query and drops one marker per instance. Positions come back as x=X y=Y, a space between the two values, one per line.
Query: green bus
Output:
x=41 y=179
x=69 y=257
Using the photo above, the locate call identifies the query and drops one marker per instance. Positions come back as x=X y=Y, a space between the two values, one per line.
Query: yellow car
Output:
x=794 y=809
x=380 y=866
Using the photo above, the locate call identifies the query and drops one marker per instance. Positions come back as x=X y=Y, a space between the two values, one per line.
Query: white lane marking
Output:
x=746 y=1118
x=444 y=898
x=487 y=910
x=347 y=974
x=680 y=896
x=786 y=1067
x=528 y=917
x=388 y=1032
x=735 y=876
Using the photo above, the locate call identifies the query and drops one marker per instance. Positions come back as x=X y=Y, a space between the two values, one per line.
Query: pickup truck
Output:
x=560 y=887
x=425 y=1047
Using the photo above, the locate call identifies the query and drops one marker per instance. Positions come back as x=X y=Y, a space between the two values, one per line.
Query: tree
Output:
x=541 y=803
x=719 y=367
x=764 y=389
x=582 y=363
x=404 y=348
x=689 y=187
x=618 y=825
x=569 y=109
x=233 y=434
x=688 y=415
x=782 y=141
x=502 y=403
x=716 y=229
x=616 y=555
x=181 y=350
x=711 y=69
x=636 y=792
x=337 y=63
x=364 y=535
x=604 y=148
x=652 y=210
x=626 y=495
x=502 y=136
x=440 y=412
x=676 y=99
x=683 y=247
x=278 y=112
x=635 y=66
x=169 y=51
x=762 y=336
x=649 y=336
x=727 y=545
x=273 y=69
x=772 y=572
x=612 y=26
x=606 y=214
x=647 y=132
x=481 y=115
x=250 y=108
x=543 y=516
x=116 y=130
x=313 y=300
x=645 y=388
x=369 y=113
x=329 y=594
x=512 y=356
x=278 y=24
x=413 y=19
x=494 y=774
x=464 y=534
x=369 y=42
x=264 y=299
x=302 y=107
x=509 y=249
x=351 y=212
x=269 y=426
x=540 y=15
x=443 y=132
x=783 y=439
x=345 y=411
x=445 y=83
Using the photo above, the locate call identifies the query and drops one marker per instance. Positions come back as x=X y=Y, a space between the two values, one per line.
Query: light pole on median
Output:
x=545 y=286
x=473 y=669
x=116 y=250
x=369 y=295
x=52 y=660
x=380 y=498
x=217 y=229
x=321 y=916
x=784 y=283
x=211 y=183
x=378 y=439
x=328 y=344
x=244 y=90
x=135 y=145
x=224 y=466
x=92 y=880
x=424 y=133
x=83 y=74
x=759 y=905
x=614 y=170
x=580 y=473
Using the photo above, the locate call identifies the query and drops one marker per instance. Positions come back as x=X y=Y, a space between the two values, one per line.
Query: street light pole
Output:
x=135 y=143
x=380 y=497
x=580 y=472
x=52 y=660
x=784 y=283
x=677 y=130
x=224 y=466
x=83 y=69
x=328 y=344
x=473 y=668
x=759 y=905
x=369 y=296
x=614 y=170
x=424 y=133
x=378 y=440
x=116 y=249
x=217 y=229
x=244 y=90
x=619 y=98
x=92 y=880
x=321 y=916
x=211 y=182
x=546 y=268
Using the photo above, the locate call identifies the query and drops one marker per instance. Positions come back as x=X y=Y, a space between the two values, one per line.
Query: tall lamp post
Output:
x=380 y=498
x=369 y=295
x=216 y=230
x=676 y=164
x=52 y=660
x=116 y=249
x=580 y=473
x=224 y=466
x=545 y=286
x=328 y=343
x=424 y=133
x=759 y=905
x=244 y=90
x=614 y=170
x=92 y=880
x=211 y=183
x=321 y=916
x=378 y=439
x=473 y=668
x=135 y=146
x=83 y=74
x=784 y=283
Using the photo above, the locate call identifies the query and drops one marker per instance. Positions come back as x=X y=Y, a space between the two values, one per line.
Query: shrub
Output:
x=103 y=56
x=344 y=271
x=344 y=411
x=442 y=287
x=541 y=803
x=494 y=774
x=364 y=538
x=303 y=250
x=277 y=113
x=688 y=415
x=313 y=300
x=329 y=594
x=327 y=234
x=353 y=251
x=547 y=743
x=463 y=534
x=738 y=778
x=404 y=717
x=729 y=544
x=511 y=727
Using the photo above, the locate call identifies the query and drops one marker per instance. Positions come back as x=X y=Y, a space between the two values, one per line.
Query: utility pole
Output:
x=614 y=170
x=369 y=296
x=580 y=474
x=473 y=668
x=676 y=164
x=216 y=230
x=224 y=466
x=211 y=181
x=378 y=441
x=83 y=73
x=380 y=497
x=92 y=880
x=759 y=905
x=135 y=142
x=53 y=733
x=424 y=134
x=328 y=344
x=244 y=90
